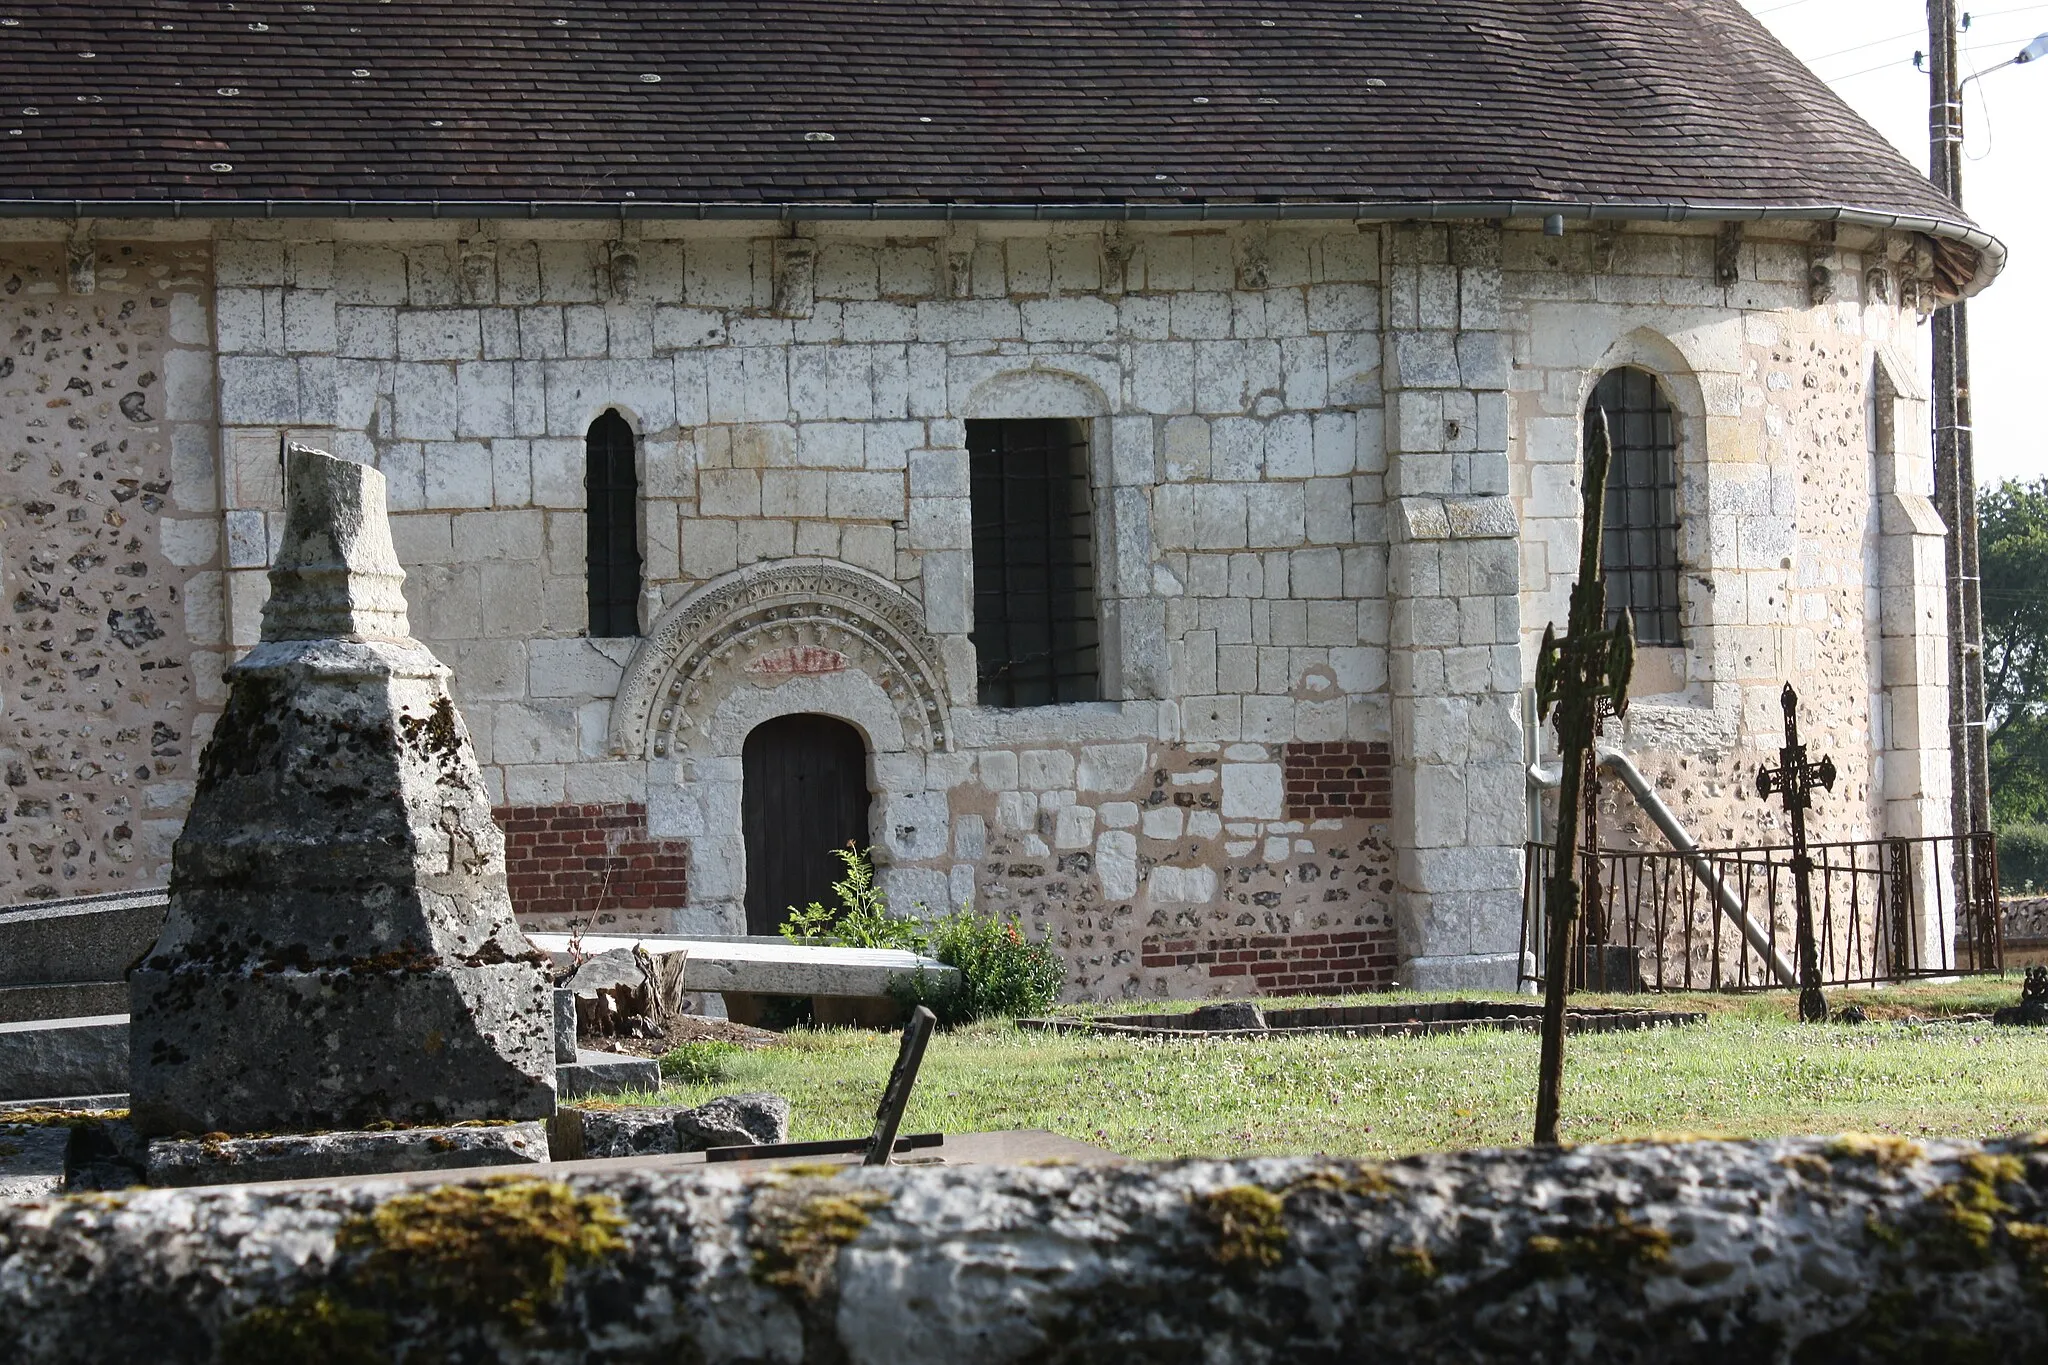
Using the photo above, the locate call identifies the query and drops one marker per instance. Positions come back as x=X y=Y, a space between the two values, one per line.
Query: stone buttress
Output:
x=340 y=947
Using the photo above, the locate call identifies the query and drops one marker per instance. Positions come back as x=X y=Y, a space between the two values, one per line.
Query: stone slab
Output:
x=32 y=1160
x=62 y=1000
x=81 y=1056
x=1424 y=1019
x=753 y=1120
x=84 y=938
x=605 y=1073
x=765 y=967
x=301 y=1156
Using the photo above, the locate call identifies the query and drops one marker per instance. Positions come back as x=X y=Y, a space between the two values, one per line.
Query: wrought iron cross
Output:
x=1575 y=676
x=1796 y=778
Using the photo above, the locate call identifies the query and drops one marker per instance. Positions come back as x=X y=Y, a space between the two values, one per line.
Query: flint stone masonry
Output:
x=1846 y=1250
x=340 y=947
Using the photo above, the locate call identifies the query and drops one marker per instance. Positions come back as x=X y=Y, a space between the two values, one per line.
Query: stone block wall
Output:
x=111 y=639
x=591 y=867
x=1334 y=479
x=1786 y=529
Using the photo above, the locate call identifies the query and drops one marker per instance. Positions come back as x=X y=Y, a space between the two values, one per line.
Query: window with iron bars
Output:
x=1639 y=547
x=1035 y=635
x=611 y=488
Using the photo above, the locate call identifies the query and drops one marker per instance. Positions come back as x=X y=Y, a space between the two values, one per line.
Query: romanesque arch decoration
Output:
x=764 y=624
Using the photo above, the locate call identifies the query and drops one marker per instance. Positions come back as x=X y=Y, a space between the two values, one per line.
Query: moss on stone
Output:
x=1965 y=1212
x=313 y=1329
x=499 y=1250
x=1881 y=1150
x=1414 y=1262
x=58 y=1118
x=796 y=1231
x=1614 y=1250
x=1251 y=1229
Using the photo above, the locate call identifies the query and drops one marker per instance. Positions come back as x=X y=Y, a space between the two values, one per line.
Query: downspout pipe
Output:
x=1682 y=843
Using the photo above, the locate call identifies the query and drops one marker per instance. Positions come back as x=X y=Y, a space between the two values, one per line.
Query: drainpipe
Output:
x=1660 y=815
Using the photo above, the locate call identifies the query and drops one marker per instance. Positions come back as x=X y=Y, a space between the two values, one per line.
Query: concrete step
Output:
x=78 y=1056
x=604 y=1073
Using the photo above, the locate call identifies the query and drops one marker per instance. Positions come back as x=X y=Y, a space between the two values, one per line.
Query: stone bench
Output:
x=847 y=985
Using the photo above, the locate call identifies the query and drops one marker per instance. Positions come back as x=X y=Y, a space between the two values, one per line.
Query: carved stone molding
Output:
x=765 y=623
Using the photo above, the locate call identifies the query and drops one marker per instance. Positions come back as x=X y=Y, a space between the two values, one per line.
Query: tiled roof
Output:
x=1673 y=103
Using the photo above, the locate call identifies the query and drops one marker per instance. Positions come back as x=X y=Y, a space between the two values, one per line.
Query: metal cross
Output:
x=1796 y=778
x=1575 y=676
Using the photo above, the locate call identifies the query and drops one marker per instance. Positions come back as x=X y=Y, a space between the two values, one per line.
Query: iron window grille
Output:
x=611 y=488
x=1036 y=640
x=1639 y=550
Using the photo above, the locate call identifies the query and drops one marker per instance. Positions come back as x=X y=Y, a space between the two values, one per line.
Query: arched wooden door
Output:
x=804 y=793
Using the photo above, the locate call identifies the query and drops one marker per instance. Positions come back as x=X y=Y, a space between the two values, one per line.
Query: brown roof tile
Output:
x=1676 y=103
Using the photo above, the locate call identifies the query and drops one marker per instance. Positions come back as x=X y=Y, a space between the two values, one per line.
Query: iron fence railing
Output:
x=1884 y=910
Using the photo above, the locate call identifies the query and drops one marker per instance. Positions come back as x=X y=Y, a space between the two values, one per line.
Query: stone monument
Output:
x=340 y=948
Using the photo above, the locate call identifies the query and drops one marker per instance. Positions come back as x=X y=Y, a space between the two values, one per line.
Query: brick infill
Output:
x=592 y=863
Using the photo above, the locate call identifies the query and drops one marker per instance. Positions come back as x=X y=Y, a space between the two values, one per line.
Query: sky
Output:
x=1864 y=49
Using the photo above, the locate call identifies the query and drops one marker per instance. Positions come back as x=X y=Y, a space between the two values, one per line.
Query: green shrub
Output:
x=861 y=919
x=1001 y=973
x=2023 y=858
x=699 y=1063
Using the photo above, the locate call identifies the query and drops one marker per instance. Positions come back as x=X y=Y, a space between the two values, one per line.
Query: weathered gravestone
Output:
x=340 y=948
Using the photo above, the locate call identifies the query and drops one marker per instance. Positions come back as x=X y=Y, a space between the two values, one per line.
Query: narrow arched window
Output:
x=1640 y=548
x=611 y=488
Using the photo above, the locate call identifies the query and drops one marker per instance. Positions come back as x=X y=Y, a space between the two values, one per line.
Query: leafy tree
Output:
x=2012 y=549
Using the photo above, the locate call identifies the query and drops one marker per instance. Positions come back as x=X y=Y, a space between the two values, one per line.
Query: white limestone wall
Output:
x=1810 y=550
x=1335 y=481
x=804 y=396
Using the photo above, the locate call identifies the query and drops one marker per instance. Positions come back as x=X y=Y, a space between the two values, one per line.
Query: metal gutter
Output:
x=1660 y=815
x=1991 y=253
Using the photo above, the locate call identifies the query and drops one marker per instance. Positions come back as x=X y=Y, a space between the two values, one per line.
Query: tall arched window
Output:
x=611 y=488
x=1640 y=548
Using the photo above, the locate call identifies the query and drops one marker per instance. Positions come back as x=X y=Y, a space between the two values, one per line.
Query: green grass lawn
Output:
x=1750 y=1070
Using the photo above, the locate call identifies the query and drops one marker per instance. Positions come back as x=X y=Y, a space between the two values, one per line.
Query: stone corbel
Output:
x=1728 y=255
x=479 y=254
x=81 y=259
x=1820 y=273
x=622 y=268
x=795 y=278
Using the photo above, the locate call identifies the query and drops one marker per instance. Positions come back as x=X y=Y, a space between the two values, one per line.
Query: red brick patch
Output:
x=1287 y=964
x=1339 y=780
x=590 y=862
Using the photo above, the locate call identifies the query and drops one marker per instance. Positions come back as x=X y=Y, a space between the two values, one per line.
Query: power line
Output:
x=1919 y=32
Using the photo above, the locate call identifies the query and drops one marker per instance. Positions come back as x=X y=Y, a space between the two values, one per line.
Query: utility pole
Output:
x=1955 y=469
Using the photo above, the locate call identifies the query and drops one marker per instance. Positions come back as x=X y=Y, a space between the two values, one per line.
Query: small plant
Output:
x=704 y=1062
x=1001 y=973
x=861 y=919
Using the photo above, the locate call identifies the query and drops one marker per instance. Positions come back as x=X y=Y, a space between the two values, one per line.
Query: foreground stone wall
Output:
x=111 y=637
x=1848 y=1250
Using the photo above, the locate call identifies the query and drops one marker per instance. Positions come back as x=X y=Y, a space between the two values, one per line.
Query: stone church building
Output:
x=1114 y=458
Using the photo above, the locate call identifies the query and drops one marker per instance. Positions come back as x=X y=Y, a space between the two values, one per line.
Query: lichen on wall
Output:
x=104 y=637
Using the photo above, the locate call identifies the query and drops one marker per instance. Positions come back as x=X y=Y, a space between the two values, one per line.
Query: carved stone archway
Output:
x=771 y=623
